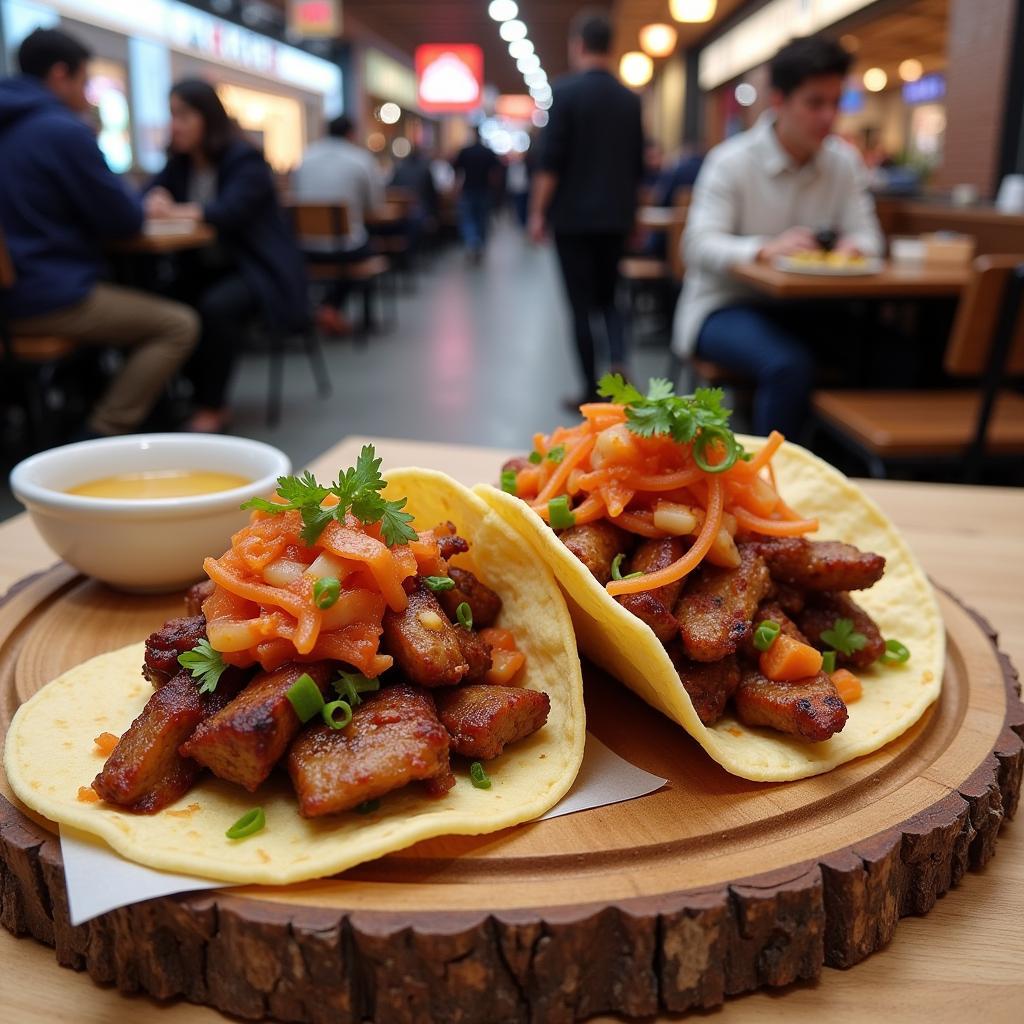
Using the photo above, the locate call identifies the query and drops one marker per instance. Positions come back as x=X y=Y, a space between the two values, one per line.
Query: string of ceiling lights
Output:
x=513 y=30
x=659 y=40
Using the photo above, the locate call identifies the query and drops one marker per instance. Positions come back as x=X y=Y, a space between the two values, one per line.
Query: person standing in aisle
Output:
x=477 y=169
x=586 y=188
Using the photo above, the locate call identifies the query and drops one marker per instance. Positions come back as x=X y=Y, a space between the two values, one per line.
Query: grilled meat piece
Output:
x=477 y=655
x=716 y=608
x=596 y=545
x=709 y=684
x=196 y=595
x=481 y=720
x=809 y=708
x=819 y=564
x=483 y=602
x=448 y=541
x=174 y=637
x=440 y=784
x=790 y=599
x=424 y=643
x=394 y=738
x=771 y=611
x=244 y=741
x=820 y=615
x=655 y=606
x=145 y=772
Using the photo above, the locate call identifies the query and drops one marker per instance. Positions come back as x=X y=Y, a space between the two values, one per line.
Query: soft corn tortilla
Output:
x=902 y=603
x=50 y=751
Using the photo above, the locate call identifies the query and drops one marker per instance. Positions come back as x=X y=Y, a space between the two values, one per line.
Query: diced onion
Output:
x=616 y=444
x=283 y=571
x=227 y=635
x=680 y=520
x=723 y=551
x=431 y=621
x=326 y=564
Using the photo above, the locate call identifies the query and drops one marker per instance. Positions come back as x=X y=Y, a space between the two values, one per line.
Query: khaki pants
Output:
x=158 y=333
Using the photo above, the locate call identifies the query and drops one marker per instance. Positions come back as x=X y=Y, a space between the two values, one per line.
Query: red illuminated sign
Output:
x=449 y=77
x=515 y=106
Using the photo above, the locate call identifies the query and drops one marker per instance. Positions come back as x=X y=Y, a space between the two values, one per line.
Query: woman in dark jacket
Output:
x=214 y=175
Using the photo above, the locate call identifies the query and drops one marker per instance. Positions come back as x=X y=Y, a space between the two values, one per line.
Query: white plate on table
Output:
x=871 y=265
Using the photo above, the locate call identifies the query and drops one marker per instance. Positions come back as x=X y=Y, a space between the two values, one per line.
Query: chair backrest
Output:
x=6 y=265
x=319 y=220
x=977 y=319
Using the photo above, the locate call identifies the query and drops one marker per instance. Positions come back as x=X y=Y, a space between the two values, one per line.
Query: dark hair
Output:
x=593 y=29
x=807 y=57
x=219 y=131
x=44 y=48
x=340 y=127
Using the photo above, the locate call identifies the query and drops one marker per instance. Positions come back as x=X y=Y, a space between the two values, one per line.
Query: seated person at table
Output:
x=761 y=195
x=213 y=175
x=59 y=202
x=337 y=171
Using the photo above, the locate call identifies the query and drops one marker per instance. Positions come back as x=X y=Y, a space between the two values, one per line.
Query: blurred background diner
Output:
x=298 y=221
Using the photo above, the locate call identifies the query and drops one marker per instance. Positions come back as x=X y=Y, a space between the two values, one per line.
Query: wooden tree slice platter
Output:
x=710 y=887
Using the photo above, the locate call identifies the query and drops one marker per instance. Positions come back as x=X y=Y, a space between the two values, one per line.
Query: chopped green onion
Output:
x=828 y=662
x=895 y=653
x=248 y=824
x=465 y=615
x=478 y=776
x=617 y=571
x=326 y=592
x=305 y=697
x=349 y=686
x=559 y=513
x=342 y=707
x=508 y=481
x=367 y=807
x=765 y=634
x=556 y=454
x=536 y=458
x=438 y=583
x=708 y=435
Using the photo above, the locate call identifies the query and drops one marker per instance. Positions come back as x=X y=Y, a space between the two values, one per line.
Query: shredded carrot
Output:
x=88 y=795
x=105 y=743
x=641 y=523
x=773 y=527
x=762 y=458
x=847 y=685
x=558 y=478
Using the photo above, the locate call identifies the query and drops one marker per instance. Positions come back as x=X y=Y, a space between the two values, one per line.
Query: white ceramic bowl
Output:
x=148 y=546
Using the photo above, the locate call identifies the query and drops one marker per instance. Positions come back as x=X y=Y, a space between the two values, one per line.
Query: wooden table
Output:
x=658 y=218
x=157 y=243
x=961 y=961
x=894 y=281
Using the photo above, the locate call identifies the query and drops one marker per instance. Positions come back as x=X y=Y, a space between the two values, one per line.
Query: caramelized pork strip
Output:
x=709 y=684
x=482 y=720
x=809 y=708
x=819 y=564
x=820 y=615
x=174 y=637
x=483 y=602
x=771 y=611
x=145 y=772
x=424 y=643
x=448 y=541
x=717 y=607
x=196 y=595
x=477 y=655
x=394 y=738
x=596 y=545
x=655 y=606
x=243 y=742
x=789 y=598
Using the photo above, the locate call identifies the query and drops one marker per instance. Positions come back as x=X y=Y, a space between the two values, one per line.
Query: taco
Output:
x=684 y=552
x=349 y=681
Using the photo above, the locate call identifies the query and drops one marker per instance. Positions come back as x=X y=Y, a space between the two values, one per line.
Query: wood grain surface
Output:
x=958 y=541
x=894 y=281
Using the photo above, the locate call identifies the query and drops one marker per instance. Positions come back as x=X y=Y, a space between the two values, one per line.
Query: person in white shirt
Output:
x=765 y=194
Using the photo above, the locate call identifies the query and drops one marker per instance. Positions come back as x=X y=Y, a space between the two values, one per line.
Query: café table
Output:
x=893 y=281
x=658 y=218
x=160 y=237
x=961 y=962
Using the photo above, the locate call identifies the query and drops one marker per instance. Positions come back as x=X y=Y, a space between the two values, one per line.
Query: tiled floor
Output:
x=479 y=355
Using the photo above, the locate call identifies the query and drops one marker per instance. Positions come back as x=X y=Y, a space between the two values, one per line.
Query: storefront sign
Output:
x=385 y=78
x=450 y=76
x=515 y=106
x=927 y=89
x=320 y=19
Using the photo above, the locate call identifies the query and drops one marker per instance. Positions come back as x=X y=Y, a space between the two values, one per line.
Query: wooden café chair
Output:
x=964 y=427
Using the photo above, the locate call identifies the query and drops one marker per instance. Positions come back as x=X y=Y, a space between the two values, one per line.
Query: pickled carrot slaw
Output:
x=653 y=486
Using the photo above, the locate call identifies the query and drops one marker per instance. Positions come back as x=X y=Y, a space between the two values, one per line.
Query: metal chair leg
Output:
x=317 y=363
x=275 y=383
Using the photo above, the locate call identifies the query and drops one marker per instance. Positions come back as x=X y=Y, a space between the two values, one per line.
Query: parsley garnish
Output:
x=357 y=490
x=205 y=664
x=699 y=419
x=843 y=637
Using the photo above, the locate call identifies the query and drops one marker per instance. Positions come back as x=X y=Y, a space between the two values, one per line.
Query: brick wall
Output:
x=979 y=40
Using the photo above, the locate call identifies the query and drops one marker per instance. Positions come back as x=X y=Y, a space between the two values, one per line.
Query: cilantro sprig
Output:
x=699 y=419
x=357 y=490
x=843 y=638
x=205 y=664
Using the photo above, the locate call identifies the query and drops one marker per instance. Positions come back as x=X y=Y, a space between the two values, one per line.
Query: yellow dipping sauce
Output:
x=159 y=483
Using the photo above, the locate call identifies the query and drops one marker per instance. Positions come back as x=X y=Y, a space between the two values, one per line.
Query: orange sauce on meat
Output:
x=160 y=483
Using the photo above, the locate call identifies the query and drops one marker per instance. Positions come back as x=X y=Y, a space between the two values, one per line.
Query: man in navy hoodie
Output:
x=59 y=203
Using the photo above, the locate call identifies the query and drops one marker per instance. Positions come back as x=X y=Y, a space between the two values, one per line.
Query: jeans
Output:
x=590 y=268
x=766 y=345
x=474 y=213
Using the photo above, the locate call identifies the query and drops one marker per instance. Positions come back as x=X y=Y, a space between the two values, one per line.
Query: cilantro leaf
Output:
x=659 y=388
x=843 y=638
x=615 y=387
x=394 y=523
x=205 y=664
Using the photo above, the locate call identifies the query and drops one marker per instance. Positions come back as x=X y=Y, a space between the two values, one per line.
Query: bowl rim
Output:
x=35 y=496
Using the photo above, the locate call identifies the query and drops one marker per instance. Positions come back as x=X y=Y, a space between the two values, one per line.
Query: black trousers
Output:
x=590 y=268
